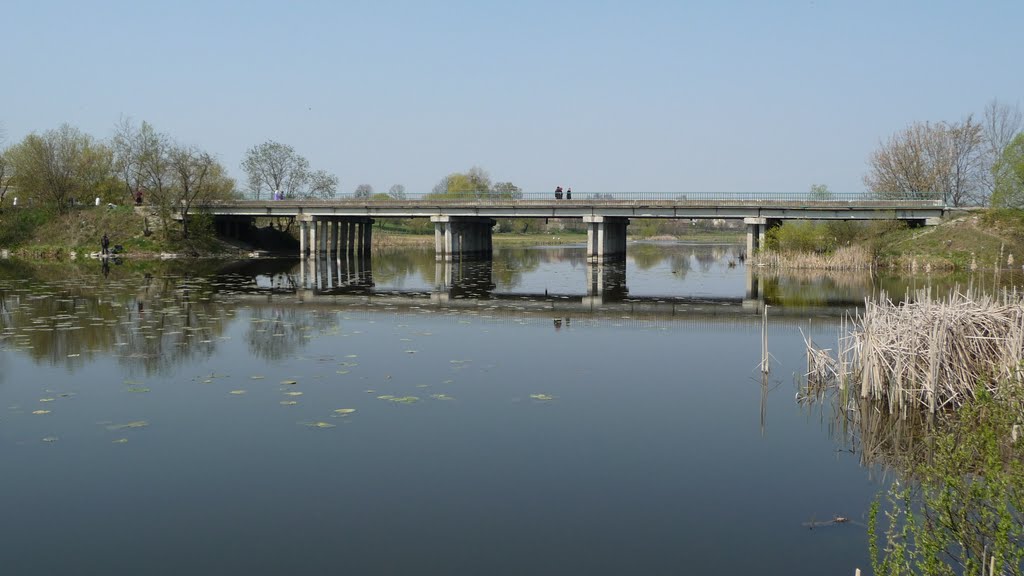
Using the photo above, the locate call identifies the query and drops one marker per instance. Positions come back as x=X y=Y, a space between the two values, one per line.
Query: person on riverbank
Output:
x=105 y=244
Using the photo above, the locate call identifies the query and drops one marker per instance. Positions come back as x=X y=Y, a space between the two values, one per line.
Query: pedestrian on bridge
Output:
x=568 y=193
x=558 y=193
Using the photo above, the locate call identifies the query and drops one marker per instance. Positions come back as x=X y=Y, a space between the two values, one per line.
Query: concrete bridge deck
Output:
x=462 y=225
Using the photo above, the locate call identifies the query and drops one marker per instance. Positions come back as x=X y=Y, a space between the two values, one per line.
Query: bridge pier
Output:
x=334 y=235
x=606 y=236
x=756 y=230
x=462 y=236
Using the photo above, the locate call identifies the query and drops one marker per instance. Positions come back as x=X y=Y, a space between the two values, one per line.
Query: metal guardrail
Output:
x=619 y=197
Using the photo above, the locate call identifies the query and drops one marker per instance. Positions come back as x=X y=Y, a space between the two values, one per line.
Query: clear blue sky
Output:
x=598 y=95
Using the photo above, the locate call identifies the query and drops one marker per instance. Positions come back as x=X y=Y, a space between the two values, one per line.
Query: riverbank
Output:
x=34 y=234
x=983 y=239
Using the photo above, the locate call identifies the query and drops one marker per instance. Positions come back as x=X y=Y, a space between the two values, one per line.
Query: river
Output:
x=527 y=415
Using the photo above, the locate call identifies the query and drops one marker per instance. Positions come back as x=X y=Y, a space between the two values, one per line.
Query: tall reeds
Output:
x=843 y=258
x=928 y=352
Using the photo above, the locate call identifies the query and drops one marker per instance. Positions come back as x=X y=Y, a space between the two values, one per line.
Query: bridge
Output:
x=463 y=224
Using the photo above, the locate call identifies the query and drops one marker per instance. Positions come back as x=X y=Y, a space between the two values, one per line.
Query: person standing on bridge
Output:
x=558 y=193
x=568 y=193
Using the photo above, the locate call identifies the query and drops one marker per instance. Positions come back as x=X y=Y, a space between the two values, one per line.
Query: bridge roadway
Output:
x=462 y=227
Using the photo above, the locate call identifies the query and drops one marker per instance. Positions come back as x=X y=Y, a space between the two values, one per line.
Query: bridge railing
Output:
x=696 y=197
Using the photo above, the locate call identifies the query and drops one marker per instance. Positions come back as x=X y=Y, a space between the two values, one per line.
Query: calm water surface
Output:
x=530 y=415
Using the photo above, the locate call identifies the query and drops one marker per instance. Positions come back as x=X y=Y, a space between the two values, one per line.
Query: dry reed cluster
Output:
x=928 y=352
x=844 y=258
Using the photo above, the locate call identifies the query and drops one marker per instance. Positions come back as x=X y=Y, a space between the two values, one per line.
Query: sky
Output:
x=597 y=95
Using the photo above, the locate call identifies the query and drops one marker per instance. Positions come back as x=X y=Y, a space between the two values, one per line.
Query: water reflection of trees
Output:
x=277 y=332
x=151 y=324
x=510 y=264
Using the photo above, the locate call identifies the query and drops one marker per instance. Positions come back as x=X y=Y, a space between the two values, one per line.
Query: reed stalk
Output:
x=928 y=353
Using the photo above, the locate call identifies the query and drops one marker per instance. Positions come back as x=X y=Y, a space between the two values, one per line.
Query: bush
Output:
x=17 y=226
x=800 y=236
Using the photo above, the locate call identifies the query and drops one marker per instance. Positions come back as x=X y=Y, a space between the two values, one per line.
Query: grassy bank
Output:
x=983 y=239
x=28 y=233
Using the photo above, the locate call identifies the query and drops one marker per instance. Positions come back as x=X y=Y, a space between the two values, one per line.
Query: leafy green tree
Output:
x=820 y=193
x=475 y=183
x=59 y=166
x=1008 y=175
x=799 y=236
x=5 y=179
x=508 y=190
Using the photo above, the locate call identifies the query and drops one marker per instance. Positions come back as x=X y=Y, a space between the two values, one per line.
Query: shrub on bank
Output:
x=18 y=226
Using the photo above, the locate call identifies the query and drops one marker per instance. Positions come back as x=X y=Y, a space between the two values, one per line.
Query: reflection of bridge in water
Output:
x=468 y=286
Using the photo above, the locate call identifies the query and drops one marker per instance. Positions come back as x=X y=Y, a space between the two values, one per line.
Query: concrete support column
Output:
x=343 y=237
x=367 y=237
x=313 y=246
x=438 y=239
x=351 y=237
x=332 y=238
x=755 y=234
x=606 y=236
x=303 y=238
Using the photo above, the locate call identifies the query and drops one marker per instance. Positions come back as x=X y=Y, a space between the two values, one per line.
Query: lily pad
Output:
x=288 y=402
x=542 y=397
x=289 y=382
x=119 y=441
x=344 y=411
x=406 y=399
x=237 y=392
x=40 y=411
x=129 y=425
x=295 y=393
x=318 y=424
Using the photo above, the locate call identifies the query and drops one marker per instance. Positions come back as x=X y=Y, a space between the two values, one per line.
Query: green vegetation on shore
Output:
x=983 y=238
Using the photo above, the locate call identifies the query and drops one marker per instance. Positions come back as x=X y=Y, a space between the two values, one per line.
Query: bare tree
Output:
x=930 y=161
x=155 y=173
x=323 y=185
x=276 y=168
x=363 y=192
x=1001 y=124
x=137 y=152
x=963 y=172
x=397 y=192
x=192 y=171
